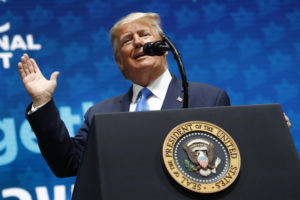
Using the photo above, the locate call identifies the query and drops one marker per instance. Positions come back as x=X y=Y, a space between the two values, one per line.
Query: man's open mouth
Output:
x=140 y=55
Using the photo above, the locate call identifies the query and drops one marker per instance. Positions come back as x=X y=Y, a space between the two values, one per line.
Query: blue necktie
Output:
x=142 y=103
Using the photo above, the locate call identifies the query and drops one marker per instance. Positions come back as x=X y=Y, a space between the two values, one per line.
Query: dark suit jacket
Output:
x=63 y=153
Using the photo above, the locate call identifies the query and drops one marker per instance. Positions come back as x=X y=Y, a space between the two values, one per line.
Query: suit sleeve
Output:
x=61 y=152
x=222 y=99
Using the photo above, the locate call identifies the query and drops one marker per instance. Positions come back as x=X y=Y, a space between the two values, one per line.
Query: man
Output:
x=63 y=153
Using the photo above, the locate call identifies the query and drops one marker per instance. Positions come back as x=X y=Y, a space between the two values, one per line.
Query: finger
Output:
x=21 y=70
x=24 y=64
x=289 y=124
x=29 y=65
x=35 y=66
x=26 y=56
x=286 y=117
x=287 y=120
x=54 y=76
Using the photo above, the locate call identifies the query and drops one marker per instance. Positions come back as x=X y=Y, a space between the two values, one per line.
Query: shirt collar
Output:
x=158 y=87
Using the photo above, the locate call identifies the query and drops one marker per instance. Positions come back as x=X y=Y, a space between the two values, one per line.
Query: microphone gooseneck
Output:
x=159 y=48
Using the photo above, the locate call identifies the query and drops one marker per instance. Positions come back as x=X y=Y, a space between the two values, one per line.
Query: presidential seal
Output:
x=201 y=157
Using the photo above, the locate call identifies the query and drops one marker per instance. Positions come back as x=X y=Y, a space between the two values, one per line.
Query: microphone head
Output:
x=148 y=49
x=157 y=48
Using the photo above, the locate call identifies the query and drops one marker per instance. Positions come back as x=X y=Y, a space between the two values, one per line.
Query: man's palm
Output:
x=38 y=87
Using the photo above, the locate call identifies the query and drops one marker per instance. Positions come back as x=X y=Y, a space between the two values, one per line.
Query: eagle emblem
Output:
x=196 y=156
x=201 y=154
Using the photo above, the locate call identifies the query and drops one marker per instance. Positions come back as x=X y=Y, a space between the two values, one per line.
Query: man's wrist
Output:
x=40 y=102
x=35 y=108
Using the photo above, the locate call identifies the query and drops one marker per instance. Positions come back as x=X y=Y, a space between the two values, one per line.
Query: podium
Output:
x=123 y=157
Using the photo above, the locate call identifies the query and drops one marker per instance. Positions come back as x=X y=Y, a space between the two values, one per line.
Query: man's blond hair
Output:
x=152 y=19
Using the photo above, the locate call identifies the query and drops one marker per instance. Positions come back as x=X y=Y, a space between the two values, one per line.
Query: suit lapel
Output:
x=174 y=96
x=124 y=102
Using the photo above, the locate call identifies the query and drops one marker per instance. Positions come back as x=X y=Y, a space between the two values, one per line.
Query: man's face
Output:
x=130 y=56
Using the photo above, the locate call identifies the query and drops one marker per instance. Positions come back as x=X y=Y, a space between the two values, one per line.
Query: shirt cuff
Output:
x=34 y=109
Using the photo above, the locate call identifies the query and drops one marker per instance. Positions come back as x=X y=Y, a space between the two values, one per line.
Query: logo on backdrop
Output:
x=17 y=42
x=201 y=157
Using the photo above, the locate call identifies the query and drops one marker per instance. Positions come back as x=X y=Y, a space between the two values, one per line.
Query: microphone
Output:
x=157 y=48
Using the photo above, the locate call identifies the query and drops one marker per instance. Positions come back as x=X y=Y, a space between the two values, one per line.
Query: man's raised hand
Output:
x=38 y=87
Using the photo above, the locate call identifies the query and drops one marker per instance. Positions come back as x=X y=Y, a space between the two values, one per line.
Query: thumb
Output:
x=54 y=76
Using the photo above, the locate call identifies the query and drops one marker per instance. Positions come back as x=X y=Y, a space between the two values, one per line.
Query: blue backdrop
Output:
x=251 y=48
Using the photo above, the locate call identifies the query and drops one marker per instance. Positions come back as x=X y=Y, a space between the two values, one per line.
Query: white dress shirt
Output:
x=158 y=87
